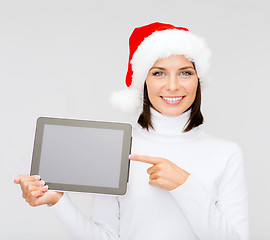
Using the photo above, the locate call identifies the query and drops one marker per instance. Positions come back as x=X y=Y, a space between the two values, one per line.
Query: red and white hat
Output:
x=149 y=43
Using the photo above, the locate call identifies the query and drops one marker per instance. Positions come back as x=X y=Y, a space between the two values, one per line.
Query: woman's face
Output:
x=171 y=84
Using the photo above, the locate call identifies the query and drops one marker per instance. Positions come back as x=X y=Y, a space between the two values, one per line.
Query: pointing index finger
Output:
x=145 y=159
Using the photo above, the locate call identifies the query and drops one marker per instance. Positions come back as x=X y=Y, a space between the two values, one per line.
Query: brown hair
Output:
x=195 y=119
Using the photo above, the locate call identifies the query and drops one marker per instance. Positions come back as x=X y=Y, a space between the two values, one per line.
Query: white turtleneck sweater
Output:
x=210 y=205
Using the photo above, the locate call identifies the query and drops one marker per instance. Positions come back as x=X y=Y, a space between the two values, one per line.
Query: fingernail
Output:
x=45 y=187
x=37 y=177
x=42 y=183
x=131 y=156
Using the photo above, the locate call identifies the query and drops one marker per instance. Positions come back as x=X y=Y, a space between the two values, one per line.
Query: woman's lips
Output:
x=172 y=100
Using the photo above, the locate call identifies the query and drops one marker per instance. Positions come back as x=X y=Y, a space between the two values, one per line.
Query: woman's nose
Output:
x=173 y=83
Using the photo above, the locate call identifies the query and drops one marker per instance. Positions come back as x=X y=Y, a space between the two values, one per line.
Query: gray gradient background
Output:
x=63 y=58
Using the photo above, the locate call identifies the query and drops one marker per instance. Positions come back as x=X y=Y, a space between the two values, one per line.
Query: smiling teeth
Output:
x=172 y=99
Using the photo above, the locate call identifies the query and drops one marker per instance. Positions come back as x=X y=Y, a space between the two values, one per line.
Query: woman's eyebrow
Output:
x=161 y=68
x=182 y=68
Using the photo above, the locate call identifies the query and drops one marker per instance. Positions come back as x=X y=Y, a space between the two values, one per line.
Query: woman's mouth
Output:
x=172 y=100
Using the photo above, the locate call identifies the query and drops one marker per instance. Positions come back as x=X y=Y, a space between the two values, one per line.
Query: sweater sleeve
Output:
x=223 y=217
x=104 y=224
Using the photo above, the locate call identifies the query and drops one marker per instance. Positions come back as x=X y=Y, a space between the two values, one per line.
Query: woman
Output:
x=184 y=184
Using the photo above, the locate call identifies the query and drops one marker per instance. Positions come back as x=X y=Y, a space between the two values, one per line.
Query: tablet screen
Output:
x=94 y=154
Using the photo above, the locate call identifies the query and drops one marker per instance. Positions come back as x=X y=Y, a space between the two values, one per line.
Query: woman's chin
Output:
x=171 y=112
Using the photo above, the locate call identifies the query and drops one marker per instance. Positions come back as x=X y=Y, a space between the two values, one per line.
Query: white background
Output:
x=62 y=58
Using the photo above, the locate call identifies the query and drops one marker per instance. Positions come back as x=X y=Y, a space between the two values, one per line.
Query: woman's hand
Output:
x=164 y=173
x=35 y=192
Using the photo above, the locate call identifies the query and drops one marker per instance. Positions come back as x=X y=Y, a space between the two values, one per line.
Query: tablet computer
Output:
x=82 y=155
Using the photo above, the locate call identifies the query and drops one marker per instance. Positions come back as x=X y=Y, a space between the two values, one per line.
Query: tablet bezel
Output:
x=125 y=162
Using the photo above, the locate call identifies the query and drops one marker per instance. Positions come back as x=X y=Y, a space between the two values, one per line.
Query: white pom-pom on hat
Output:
x=149 y=43
x=127 y=100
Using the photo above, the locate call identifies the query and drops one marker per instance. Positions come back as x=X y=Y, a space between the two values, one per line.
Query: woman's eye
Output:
x=158 y=74
x=186 y=73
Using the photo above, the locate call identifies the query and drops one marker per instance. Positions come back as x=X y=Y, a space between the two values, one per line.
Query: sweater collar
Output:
x=169 y=128
x=167 y=125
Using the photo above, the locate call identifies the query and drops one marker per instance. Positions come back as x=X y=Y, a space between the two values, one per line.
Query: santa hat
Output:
x=149 y=43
